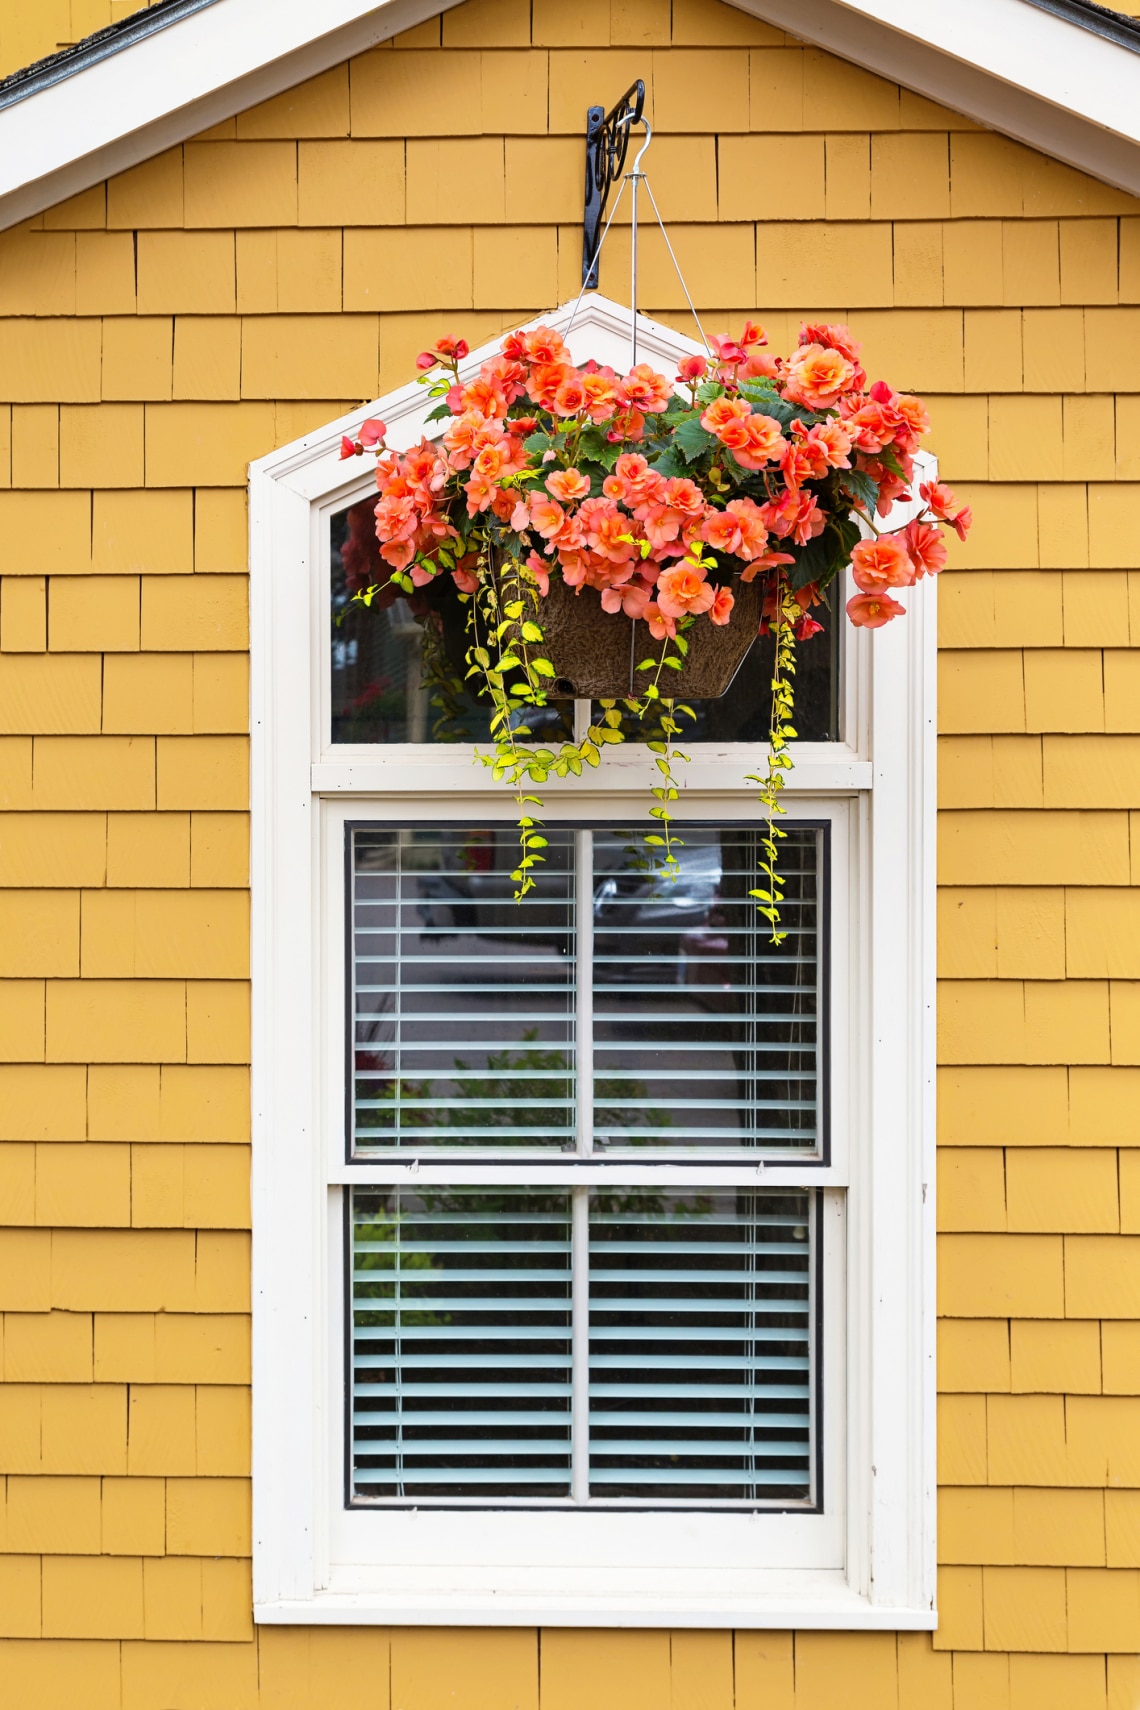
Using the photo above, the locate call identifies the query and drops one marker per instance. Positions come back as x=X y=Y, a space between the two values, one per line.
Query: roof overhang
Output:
x=171 y=82
x=1070 y=89
x=1027 y=68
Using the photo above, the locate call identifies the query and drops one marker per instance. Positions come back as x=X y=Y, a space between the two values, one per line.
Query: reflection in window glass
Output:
x=704 y=1033
x=397 y=666
x=470 y=1011
x=464 y=1030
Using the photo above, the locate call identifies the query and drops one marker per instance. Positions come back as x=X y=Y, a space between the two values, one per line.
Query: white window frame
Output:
x=866 y=1561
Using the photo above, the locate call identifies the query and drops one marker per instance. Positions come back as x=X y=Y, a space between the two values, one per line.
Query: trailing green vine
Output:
x=770 y=895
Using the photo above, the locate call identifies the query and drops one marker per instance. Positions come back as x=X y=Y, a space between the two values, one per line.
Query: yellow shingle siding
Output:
x=158 y=332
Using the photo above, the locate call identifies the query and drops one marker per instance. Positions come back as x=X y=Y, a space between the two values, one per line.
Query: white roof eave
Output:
x=1009 y=65
x=158 y=91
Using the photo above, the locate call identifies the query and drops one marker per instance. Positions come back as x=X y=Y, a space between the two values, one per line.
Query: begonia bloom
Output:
x=568 y=485
x=882 y=563
x=926 y=548
x=818 y=377
x=683 y=590
x=721 y=609
x=872 y=611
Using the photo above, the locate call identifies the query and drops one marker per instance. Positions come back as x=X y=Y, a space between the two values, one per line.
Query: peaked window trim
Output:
x=884 y=774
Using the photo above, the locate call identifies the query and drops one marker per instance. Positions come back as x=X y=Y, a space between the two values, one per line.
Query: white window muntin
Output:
x=311 y=1561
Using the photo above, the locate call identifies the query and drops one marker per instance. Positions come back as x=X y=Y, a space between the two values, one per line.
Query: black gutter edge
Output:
x=92 y=50
x=1086 y=15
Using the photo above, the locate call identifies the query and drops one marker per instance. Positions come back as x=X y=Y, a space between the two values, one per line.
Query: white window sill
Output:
x=804 y=1599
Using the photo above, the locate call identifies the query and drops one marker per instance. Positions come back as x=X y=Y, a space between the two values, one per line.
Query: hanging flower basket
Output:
x=595 y=658
x=624 y=537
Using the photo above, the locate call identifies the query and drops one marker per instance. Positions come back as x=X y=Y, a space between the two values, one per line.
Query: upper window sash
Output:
x=366 y=768
x=593 y=1015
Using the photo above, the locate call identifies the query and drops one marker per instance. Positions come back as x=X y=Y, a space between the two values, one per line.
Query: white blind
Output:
x=688 y=1327
x=472 y=1013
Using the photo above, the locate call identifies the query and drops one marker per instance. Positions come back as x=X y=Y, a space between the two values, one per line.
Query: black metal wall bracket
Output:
x=607 y=139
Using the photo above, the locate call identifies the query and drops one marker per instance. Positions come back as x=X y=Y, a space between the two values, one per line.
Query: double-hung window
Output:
x=592 y=1232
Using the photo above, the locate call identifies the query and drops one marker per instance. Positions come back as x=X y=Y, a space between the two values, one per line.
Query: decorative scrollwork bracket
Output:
x=607 y=139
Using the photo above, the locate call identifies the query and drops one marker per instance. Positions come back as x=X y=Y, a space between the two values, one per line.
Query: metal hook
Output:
x=635 y=170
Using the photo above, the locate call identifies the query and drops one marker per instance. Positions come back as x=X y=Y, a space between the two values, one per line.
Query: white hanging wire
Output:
x=634 y=177
x=677 y=266
x=594 y=258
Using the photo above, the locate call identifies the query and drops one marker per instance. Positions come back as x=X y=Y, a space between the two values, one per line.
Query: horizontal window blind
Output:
x=461 y=1353
x=687 y=1329
x=705 y=1034
x=463 y=1000
x=700 y=1326
x=471 y=1012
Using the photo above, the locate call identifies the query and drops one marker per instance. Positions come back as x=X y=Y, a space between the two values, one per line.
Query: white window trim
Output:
x=880 y=782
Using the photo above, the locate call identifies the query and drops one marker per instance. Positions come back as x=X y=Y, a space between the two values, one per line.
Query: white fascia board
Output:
x=170 y=85
x=1007 y=64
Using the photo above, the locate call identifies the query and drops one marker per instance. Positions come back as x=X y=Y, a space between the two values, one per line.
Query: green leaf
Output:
x=692 y=440
x=668 y=465
x=531 y=632
x=862 y=487
x=594 y=447
x=439 y=414
x=543 y=667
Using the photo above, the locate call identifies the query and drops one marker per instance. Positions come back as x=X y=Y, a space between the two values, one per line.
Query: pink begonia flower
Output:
x=872 y=611
x=645 y=390
x=764 y=561
x=728 y=353
x=682 y=494
x=721 y=609
x=371 y=432
x=806 y=628
x=754 y=442
x=348 y=448
x=835 y=336
x=465 y=580
x=520 y=516
x=608 y=530
x=568 y=485
x=817 y=377
x=632 y=598
x=794 y=516
x=737 y=530
x=540 y=573
x=570 y=398
x=601 y=395
x=882 y=563
x=945 y=507
x=926 y=547
x=690 y=369
x=717 y=415
x=682 y=591
x=546 y=515
x=659 y=625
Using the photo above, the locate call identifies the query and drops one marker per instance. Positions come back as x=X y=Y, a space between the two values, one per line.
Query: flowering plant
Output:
x=661 y=500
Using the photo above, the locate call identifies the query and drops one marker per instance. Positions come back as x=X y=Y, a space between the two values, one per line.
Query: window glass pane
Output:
x=744 y=713
x=464 y=1024
x=397 y=666
x=700 y=1346
x=461 y=1345
x=705 y=1033
x=696 y=1325
x=467 y=1011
